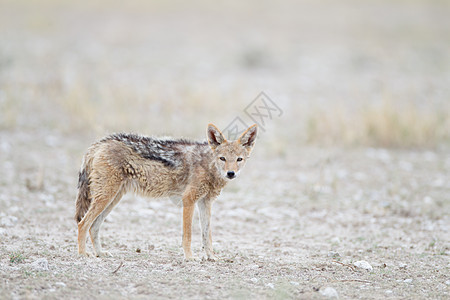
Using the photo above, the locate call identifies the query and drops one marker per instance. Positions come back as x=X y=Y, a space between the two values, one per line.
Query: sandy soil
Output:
x=286 y=228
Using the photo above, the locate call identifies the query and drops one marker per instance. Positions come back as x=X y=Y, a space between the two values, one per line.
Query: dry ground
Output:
x=285 y=229
x=357 y=168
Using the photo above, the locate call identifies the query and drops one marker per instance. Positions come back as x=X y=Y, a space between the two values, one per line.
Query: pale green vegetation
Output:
x=16 y=257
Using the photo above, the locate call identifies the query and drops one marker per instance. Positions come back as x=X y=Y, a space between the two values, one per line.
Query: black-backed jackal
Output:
x=194 y=171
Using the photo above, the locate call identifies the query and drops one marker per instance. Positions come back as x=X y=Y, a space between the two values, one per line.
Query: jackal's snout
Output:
x=231 y=174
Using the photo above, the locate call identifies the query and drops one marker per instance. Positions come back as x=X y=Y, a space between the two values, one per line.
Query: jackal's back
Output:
x=168 y=151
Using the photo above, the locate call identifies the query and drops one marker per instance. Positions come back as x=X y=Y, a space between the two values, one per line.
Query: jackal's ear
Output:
x=248 y=138
x=215 y=137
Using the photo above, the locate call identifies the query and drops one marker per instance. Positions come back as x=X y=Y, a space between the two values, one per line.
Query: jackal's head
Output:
x=230 y=156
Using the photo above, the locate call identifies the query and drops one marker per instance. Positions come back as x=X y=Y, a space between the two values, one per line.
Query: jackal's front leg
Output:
x=188 y=213
x=204 y=208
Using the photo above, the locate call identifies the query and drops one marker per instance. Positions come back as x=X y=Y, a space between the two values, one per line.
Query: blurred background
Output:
x=347 y=73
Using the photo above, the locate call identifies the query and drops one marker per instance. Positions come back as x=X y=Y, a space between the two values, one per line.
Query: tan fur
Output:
x=157 y=168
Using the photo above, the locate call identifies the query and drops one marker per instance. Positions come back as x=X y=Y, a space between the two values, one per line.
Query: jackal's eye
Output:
x=222 y=158
x=239 y=159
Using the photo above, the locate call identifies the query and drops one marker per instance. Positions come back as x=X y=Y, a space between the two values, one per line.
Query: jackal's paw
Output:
x=191 y=258
x=85 y=254
x=212 y=257
x=104 y=254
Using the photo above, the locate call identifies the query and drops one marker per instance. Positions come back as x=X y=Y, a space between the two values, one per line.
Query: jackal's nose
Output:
x=230 y=174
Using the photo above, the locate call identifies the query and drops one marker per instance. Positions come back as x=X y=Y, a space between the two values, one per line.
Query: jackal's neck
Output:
x=216 y=178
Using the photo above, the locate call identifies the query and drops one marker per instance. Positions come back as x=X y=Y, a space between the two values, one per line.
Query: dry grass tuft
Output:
x=381 y=125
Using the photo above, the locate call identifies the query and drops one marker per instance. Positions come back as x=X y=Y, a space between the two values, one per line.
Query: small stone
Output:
x=8 y=221
x=428 y=200
x=254 y=280
x=362 y=264
x=60 y=284
x=447 y=282
x=336 y=240
x=40 y=264
x=329 y=292
x=408 y=280
x=295 y=283
x=270 y=285
x=385 y=204
x=14 y=209
x=388 y=292
x=138 y=250
x=2 y=231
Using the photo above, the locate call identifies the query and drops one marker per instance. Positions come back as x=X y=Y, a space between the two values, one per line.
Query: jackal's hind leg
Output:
x=95 y=228
x=102 y=196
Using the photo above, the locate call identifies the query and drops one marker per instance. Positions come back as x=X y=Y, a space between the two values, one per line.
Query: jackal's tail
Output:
x=84 y=194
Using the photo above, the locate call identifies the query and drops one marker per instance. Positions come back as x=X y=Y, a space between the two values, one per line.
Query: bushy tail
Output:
x=84 y=195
